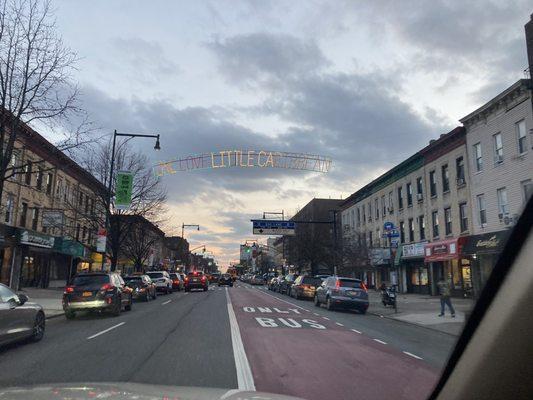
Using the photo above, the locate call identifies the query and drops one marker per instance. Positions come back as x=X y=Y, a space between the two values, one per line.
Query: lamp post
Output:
x=112 y=167
x=183 y=226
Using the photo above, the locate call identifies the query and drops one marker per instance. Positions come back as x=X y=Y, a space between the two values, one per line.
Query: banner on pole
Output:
x=123 y=190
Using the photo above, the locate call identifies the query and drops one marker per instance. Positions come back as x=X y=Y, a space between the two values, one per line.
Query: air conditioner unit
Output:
x=460 y=181
x=498 y=159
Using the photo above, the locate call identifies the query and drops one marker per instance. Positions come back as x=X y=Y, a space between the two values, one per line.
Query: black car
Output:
x=286 y=283
x=97 y=291
x=339 y=292
x=196 y=280
x=142 y=286
x=225 y=279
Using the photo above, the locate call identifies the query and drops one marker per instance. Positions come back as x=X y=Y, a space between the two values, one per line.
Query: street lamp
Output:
x=183 y=226
x=109 y=185
x=196 y=248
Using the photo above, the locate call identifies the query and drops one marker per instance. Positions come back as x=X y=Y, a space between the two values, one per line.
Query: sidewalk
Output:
x=49 y=299
x=423 y=310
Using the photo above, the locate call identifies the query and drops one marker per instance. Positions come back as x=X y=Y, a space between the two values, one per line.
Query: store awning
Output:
x=486 y=243
x=444 y=250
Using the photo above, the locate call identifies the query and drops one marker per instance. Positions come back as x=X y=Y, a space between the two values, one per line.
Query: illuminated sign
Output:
x=245 y=159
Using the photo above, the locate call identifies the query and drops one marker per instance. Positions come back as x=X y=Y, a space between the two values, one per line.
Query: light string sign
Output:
x=245 y=159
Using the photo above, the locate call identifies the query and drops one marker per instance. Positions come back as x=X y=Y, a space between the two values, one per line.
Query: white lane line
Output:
x=315 y=314
x=166 y=302
x=105 y=331
x=305 y=309
x=338 y=323
x=413 y=355
x=245 y=379
x=379 y=341
x=326 y=318
x=187 y=292
x=356 y=331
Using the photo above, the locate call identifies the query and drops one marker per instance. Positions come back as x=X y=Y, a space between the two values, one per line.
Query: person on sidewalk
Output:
x=444 y=290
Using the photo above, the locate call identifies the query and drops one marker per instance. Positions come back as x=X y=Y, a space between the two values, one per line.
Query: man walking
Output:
x=444 y=290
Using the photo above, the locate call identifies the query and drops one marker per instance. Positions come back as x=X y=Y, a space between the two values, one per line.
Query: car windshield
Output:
x=301 y=197
x=85 y=280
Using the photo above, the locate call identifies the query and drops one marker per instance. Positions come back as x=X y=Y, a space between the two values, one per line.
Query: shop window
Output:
x=445 y=178
x=411 y=227
x=23 y=214
x=409 y=190
x=435 y=223
x=463 y=216
x=432 y=184
x=448 y=221
x=422 y=227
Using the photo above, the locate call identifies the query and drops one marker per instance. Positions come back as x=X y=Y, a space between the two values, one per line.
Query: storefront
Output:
x=68 y=259
x=36 y=253
x=6 y=249
x=446 y=260
x=484 y=251
x=414 y=270
x=380 y=260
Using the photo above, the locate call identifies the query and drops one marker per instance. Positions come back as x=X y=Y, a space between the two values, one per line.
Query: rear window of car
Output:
x=311 y=281
x=90 y=280
x=173 y=275
x=155 y=274
x=226 y=276
x=194 y=274
x=353 y=283
x=132 y=279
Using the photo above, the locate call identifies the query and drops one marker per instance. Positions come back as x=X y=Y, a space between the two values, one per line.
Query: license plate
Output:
x=87 y=294
x=351 y=293
x=195 y=280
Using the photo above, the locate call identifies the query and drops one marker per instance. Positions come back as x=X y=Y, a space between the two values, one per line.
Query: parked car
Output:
x=257 y=280
x=276 y=285
x=196 y=280
x=225 y=279
x=215 y=277
x=177 y=281
x=305 y=287
x=19 y=318
x=162 y=280
x=271 y=283
x=142 y=286
x=97 y=291
x=286 y=283
x=339 y=292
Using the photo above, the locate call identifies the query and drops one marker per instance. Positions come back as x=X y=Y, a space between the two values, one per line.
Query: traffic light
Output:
x=248 y=249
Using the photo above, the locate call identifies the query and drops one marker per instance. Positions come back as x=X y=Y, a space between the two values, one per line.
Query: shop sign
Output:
x=101 y=240
x=415 y=250
x=442 y=251
x=36 y=239
x=380 y=256
x=72 y=248
x=486 y=242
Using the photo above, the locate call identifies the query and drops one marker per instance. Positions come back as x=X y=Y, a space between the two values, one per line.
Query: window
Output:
x=15 y=158
x=402 y=232
x=362 y=208
x=351 y=219
x=435 y=223
x=503 y=206
x=498 y=148
x=527 y=189
x=400 y=198
x=520 y=127
x=460 y=170
x=445 y=178
x=378 y=237
x=27 y=173
x=10 y=203
x=369 y=211
x=80 y=200
x=49 y=181
x=409 y=190
x=23 y=214
x=448 y=221
x=78 y=232
x=432 y=184
x=463 y=217
x=376 y=206
x=34 y=218
x=59 y=189
x=419 y=189
x=370 y=239
x=358 y=216
x=422 y=227
x=66 y=193
x=391 y=202
x=84 y=233
x=481 y=209
x=478 y=158
x=39 y=178
x=383 y=206
x=411 y=227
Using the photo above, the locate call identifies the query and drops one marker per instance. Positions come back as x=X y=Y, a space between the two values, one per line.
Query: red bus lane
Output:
x=291 y=351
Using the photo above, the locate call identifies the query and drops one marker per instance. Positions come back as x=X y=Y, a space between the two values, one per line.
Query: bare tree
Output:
x=313 y=249
x=139 y=240
x=35 y=79
x=355 y=255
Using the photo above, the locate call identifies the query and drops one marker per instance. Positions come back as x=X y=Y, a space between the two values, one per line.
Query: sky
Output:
x=367 y=83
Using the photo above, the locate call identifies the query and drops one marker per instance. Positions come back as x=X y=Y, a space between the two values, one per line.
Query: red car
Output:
x=196 y=280
x=177 y=281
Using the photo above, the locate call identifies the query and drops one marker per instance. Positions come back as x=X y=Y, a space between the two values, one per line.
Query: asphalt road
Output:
x=244 y=337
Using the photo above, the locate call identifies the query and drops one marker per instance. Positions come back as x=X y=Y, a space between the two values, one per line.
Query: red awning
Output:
x=444 y=250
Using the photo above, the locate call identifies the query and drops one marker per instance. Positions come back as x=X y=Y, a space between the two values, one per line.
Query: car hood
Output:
x=127 y=390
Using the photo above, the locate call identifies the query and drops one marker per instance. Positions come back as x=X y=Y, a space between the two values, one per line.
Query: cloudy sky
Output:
x=367 y=83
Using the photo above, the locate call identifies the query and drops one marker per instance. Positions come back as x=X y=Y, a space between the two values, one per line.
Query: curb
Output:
x=414 y=324
x=53 y=316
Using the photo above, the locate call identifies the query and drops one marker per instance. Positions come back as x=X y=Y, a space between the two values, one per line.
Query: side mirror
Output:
x=22 y=298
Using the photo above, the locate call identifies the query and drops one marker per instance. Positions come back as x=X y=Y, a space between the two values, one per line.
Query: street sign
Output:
x=388 y=226
x=123 y=190
x=273 y=227
x=101 y=240
x=393 y=233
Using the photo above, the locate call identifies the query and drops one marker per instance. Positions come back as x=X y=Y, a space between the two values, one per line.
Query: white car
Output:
x=162 y=280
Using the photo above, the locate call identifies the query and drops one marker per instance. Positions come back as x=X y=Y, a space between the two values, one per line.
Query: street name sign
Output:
x=388 y=226
x=273 y=227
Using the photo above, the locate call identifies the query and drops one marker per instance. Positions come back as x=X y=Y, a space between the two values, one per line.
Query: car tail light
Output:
x=69 y=289
x=106 y=287
x=338 y=284
x=363 y=286
x=307 y=286
x=203 y=278
x=176 y=281
x=186 y=279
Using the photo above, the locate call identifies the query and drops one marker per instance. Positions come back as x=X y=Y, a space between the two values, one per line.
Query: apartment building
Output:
x=499 y=142
x=49 y=215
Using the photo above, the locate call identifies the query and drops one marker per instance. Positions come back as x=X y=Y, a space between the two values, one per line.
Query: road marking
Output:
x=413 y=355
x=379 y=341
x=356 y=331
x=315 y=314
x=305 y=309
x=105 y=331
x=187 y=292
x=245 y=379
x=326 y=318
x=285 y=301
x=166 y=302
x=338 y=323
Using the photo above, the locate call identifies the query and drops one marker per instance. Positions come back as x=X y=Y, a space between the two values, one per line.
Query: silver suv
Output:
x=162 y=280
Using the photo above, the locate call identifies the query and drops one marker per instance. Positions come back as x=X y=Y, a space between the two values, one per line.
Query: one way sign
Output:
x=273 y=227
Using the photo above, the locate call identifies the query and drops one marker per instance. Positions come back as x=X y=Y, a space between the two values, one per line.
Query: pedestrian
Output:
x=444 y=290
